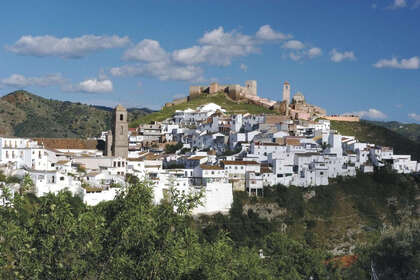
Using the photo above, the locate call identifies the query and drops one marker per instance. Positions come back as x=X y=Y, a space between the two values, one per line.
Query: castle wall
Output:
x=177 y=101
x=195 y=91
x=343 y=118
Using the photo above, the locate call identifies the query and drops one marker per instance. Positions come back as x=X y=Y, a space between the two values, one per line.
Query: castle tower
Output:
x=120 y=132
x=286 y=92
x=251 y=87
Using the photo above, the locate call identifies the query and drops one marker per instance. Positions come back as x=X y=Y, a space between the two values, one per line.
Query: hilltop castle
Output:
x=297 y=108
x=235 y=91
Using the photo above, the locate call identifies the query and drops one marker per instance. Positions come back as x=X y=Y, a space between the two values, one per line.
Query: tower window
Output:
x=121 y=117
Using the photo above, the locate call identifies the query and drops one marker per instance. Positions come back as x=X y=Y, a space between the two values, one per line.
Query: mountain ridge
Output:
x=24 y=114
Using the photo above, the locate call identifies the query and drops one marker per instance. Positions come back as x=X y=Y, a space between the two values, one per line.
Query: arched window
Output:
x=121 y=117
x=122 y=130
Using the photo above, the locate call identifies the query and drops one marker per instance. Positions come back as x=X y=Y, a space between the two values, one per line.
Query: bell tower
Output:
x=286 y=93
x=120 y=132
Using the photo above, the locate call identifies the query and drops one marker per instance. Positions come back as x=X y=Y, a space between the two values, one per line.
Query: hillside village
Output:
x=203 y=149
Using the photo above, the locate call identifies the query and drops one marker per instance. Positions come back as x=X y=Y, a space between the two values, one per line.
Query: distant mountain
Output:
x=24 y=114
x=409 y=130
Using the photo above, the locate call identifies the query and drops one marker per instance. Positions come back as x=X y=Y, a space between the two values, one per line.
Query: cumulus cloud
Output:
x=243 y=67
x=415 y=117
x=399 y=4
x=147 y=50
x=293 y=44
x=267 y=33
x=314 y=52
x=409 y=63
x=161 y=70
x=371 y=114
x=337 y=56
x=91 y=86
x=65 y=47
x=20 y=81
x=217 y=47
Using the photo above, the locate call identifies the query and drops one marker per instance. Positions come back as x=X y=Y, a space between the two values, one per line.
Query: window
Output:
x=122 y=130
x=121 y=117
x=61 y=178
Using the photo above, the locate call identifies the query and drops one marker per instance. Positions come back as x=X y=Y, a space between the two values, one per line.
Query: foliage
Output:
x=13 y=180
x=395 y=255
x=59 y=237
x=172 y=148
x=27 y=185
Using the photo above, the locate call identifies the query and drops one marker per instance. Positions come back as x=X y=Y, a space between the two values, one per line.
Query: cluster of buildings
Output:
x=200 y=150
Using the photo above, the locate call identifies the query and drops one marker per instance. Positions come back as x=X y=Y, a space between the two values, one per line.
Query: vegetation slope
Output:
x=368 y=132
x=58 y=237
x=220 y=98
x=409 y=130
x=24 y=114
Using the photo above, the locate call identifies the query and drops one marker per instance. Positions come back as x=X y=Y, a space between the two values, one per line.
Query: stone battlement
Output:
x=235 y=91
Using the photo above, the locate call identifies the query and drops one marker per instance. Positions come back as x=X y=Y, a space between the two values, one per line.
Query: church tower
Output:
x=120 y=132
x=286 y=92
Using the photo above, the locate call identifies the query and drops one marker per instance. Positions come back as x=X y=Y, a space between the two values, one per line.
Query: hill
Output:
x=409 y=130
x=220 y=99
x=370 y=132
x=24 y=114
x=336 y=217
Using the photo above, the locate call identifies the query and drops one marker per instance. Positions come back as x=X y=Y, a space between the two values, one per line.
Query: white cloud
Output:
x=147 y=50
x=161 y=70
x=337 y=56
x=243 y=67
x=314 y=52
x=267 y=33
x=415 y=117
x=20 y=81
x=295 y=56
x=293 y=44
x=217 y=47
x=399 y=4
x=65 y=47
x=409 y=63
x=91 y=86
x=371 y=114
x=220 y=37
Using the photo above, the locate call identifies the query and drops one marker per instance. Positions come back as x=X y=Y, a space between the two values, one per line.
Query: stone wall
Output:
x=343 y=118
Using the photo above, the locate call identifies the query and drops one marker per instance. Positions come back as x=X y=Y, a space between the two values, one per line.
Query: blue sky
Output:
x=360 y=56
